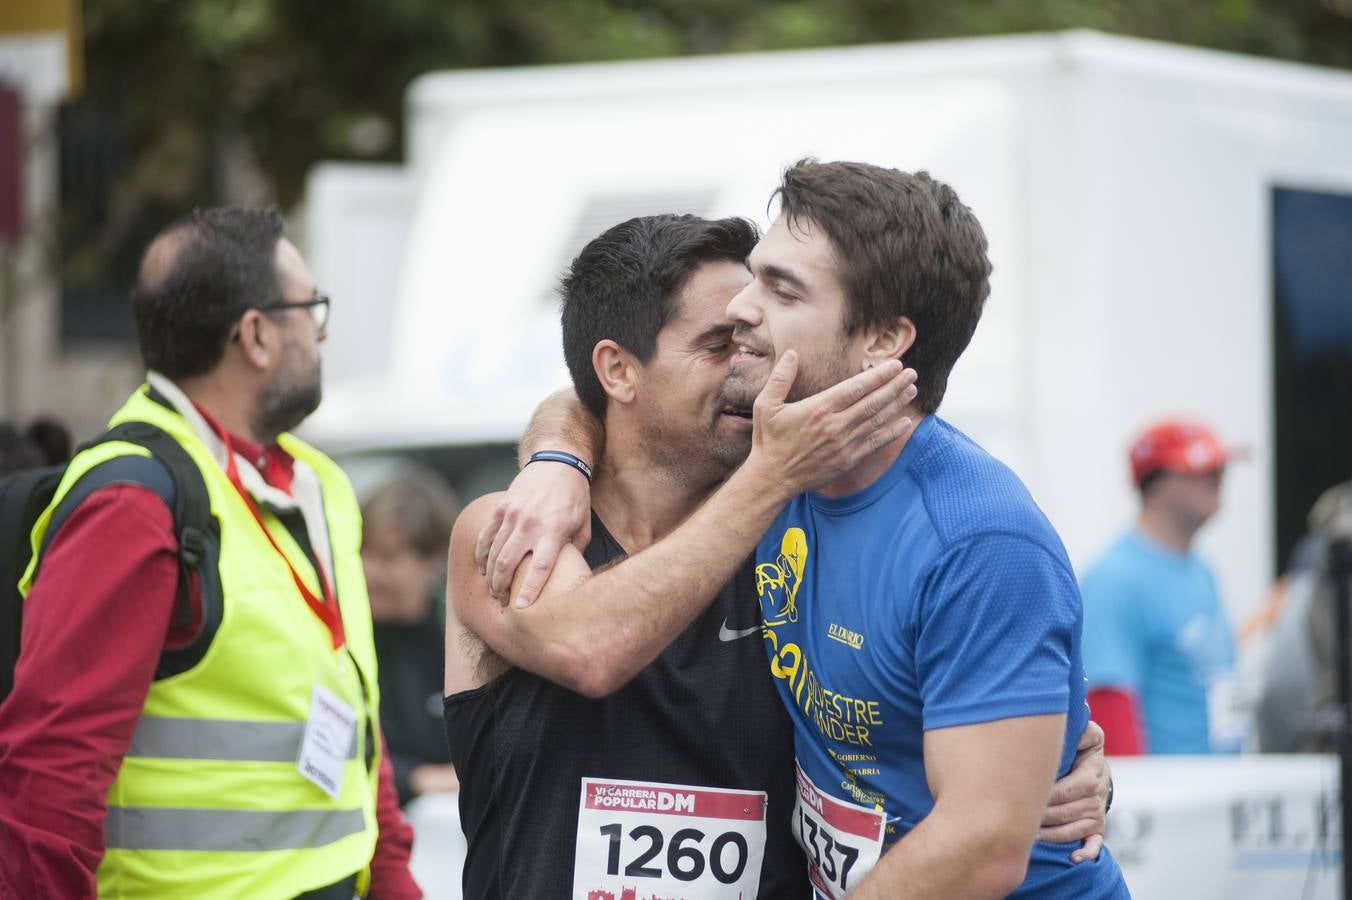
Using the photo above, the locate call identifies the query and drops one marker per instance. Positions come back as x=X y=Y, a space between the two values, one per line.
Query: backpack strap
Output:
x=145 y=471
x=173 y=475
x=191 y=505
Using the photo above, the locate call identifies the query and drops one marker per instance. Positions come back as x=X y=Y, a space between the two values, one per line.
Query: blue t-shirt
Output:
x=1153 y=623
x=936 y=597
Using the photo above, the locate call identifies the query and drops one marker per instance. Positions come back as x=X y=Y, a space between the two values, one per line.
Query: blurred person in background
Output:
x=52 y=438
x=1158 y=651
x=211 y=731
x=406 y=528
x=17 y=451
x=1292 y=639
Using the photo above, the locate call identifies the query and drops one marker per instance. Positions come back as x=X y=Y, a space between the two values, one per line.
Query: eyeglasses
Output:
x=318 y=306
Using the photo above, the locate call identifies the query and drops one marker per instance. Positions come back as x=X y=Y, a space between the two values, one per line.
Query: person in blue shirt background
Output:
x=1158 y=650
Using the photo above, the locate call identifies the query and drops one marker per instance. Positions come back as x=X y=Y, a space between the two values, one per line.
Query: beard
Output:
x=287 y=402
x=819 y=368
x=690 y=456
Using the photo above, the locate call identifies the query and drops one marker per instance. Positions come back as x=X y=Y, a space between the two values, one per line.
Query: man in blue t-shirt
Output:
x=1158 y=650
x=921 y=617
x=920 y=614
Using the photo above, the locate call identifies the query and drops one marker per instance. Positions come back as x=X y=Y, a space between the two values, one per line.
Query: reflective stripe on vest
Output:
x=247 y=830
x=159 y=737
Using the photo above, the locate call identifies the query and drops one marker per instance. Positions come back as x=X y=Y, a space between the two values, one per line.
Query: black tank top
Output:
x=703 y=713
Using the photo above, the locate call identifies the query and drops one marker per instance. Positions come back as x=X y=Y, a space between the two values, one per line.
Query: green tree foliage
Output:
x=298 y=80
x=179 y=91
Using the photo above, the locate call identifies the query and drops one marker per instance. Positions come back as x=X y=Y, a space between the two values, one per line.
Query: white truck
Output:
x=1153 y=213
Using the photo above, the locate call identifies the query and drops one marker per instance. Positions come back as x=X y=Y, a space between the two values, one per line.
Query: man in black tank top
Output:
x=619 y=738
x=645 y=682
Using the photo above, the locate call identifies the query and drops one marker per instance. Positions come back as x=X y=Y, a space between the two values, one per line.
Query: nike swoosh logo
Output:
x=726 y=634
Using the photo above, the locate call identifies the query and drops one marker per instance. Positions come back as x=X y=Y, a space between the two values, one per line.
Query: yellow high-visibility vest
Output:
x=209 y=802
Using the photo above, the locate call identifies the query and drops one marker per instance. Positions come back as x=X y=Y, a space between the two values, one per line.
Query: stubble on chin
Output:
x=741 y=388
x=680 y=457
x=818 y=371
x=286 y=404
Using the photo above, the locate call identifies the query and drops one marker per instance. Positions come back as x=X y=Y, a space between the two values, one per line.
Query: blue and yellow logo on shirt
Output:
x=839 y=717
x=777 y=583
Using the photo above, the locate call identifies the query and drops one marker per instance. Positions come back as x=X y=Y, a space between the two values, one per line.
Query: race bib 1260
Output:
x=642 y=839
x=842 y=840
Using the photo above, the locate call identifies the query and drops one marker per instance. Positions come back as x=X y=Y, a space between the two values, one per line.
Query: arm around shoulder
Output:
x=547 y=505
x=545 y=638
x=593 y=631
x=561 y=422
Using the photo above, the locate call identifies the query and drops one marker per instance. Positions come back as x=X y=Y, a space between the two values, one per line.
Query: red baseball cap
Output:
x=1177 y=446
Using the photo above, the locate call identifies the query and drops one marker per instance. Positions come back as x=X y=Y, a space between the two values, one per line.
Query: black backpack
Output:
x=171 y=474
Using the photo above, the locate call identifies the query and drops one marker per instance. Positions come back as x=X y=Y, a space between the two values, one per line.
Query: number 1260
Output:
x=686 y=861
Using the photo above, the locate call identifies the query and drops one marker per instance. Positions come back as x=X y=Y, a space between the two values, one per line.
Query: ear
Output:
x=256 y=339
x=889 y=340
x=616 y=369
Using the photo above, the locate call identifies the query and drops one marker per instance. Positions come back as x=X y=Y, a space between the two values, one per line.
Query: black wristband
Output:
x=559 y=456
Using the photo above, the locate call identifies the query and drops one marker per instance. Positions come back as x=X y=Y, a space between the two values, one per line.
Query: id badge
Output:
x=329 y=733
x=843 y=841
x=647 y=839
x=1226 y=714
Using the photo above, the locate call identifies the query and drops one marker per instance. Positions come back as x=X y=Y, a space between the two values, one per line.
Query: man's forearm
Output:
x=601 y=632
x=561 y=422
x=945 y=858
x=990 y=781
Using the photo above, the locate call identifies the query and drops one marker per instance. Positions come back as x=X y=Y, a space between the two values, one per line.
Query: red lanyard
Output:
x=326 y=608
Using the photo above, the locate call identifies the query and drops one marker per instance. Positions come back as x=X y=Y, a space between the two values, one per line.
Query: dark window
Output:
x=1312 y=353
x=113 y=203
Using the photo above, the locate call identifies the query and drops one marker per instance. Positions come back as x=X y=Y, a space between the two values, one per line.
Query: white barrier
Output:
x=438 y=845
x=1251 y=827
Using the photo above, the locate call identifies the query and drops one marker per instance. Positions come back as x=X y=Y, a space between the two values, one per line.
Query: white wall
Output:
x=357 y=221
